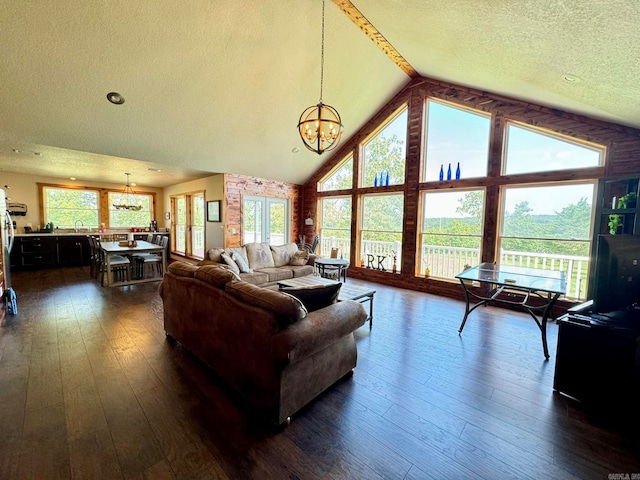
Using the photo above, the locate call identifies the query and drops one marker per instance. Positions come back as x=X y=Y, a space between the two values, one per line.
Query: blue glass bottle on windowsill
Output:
x=449 y=173
x=441 y=172
x=386 y=178
x=375 y=180
x=458 y=172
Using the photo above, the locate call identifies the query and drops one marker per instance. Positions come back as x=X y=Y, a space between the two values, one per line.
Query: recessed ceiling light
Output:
x=133 y=184
x=295 y=149
x=16 y=150
x=37 y=153
x=154 y=169
x=72 y=178
x=115 y=98
x=569 y=78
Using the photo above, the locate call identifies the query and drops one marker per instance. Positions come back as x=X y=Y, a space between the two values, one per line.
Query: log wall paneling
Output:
x=411 y=214
x=236 y=186
x=622 y=158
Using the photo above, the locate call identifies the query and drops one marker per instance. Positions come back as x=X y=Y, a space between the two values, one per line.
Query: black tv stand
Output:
x=598 y=358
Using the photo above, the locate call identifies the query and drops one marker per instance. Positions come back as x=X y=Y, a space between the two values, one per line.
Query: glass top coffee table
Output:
x=347 y=292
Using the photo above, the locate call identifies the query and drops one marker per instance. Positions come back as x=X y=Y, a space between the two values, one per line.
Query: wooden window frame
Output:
x=103 y=207
x=188 y=247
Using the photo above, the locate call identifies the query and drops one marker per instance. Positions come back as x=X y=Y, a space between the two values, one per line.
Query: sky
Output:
x=457 y=135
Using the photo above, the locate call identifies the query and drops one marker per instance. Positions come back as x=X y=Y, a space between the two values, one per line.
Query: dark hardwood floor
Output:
x=90 y=388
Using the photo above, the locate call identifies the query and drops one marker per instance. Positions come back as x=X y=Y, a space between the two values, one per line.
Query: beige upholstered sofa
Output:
x=262 y=342
x=268 y=264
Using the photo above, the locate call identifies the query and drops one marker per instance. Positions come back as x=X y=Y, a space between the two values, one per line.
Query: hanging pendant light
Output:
x=320 y=126
x=127 y=200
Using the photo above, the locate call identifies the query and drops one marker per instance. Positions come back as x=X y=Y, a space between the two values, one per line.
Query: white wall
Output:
x=24 y=189
x=213 y=187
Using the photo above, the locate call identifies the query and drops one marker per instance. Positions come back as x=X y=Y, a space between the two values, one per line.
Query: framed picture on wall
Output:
x=213 y=211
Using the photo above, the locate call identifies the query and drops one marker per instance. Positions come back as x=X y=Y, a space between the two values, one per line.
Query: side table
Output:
x=329 y=267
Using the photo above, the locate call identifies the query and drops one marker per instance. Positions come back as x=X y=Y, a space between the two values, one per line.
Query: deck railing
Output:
x=447 y=262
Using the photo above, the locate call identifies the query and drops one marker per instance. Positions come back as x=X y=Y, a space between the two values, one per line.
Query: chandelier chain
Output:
x=322 y=54
x=320 y=127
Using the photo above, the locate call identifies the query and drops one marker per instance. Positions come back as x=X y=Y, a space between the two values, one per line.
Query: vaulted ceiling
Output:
x=218 y=86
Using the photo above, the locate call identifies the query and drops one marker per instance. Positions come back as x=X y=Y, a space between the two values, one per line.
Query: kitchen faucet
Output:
x=75 y=225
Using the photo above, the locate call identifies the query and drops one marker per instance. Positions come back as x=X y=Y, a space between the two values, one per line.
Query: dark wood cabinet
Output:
x=42 y=251
x=37 y=251
x=599 y=363
x=73 y=250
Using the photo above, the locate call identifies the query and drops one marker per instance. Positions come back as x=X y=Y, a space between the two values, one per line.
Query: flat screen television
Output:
x=617 y=278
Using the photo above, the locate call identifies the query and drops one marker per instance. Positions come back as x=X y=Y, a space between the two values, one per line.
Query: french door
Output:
x=266 y=220
x=188 y=224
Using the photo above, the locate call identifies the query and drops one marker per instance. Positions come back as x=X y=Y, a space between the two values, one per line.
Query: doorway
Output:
x=266 y=220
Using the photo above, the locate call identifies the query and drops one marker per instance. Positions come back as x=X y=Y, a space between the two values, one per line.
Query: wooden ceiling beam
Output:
x=376 y=37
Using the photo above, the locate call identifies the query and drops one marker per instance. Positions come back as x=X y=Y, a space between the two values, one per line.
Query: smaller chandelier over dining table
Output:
x=128 y=199
x=320 y=126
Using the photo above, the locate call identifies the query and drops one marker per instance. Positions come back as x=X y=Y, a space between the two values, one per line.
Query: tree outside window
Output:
x=549 y=227
x=335 y=225
x=451 y=234
x=64 y=206
x=340 y=179
x=123 y=218
x=385 y=153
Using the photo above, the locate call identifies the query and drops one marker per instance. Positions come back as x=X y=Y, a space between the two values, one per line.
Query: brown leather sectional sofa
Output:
x=262 y=342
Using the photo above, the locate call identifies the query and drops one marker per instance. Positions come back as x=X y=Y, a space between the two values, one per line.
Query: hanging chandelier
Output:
x=127 y=200
x=320 y=126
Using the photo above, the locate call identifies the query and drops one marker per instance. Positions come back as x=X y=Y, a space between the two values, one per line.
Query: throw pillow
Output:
x=282 y=253
x=316 y=297
x=299 y=258
x=213 y=254
x=241 y=262
x=233 y=266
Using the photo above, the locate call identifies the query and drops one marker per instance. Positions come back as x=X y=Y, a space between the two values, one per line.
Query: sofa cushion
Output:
x=288 y=308
x=299 y=258
x=241 y=262
x=183 y=269
x=259 y=255
x=213 y=254
x=317 y=296
x=216 y=276
x=276 y=274
x=255 y=278
x=282 y=254
x=231 y=265
x=299 y=271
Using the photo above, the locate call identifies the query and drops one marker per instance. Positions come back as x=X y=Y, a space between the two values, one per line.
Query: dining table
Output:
x=128 y=249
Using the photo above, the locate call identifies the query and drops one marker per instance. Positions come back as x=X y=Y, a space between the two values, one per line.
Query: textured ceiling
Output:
x=219 y=86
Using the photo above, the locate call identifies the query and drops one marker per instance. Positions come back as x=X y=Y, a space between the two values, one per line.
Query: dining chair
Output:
x=153 y=259
x=120 y=265
x=94 y=257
